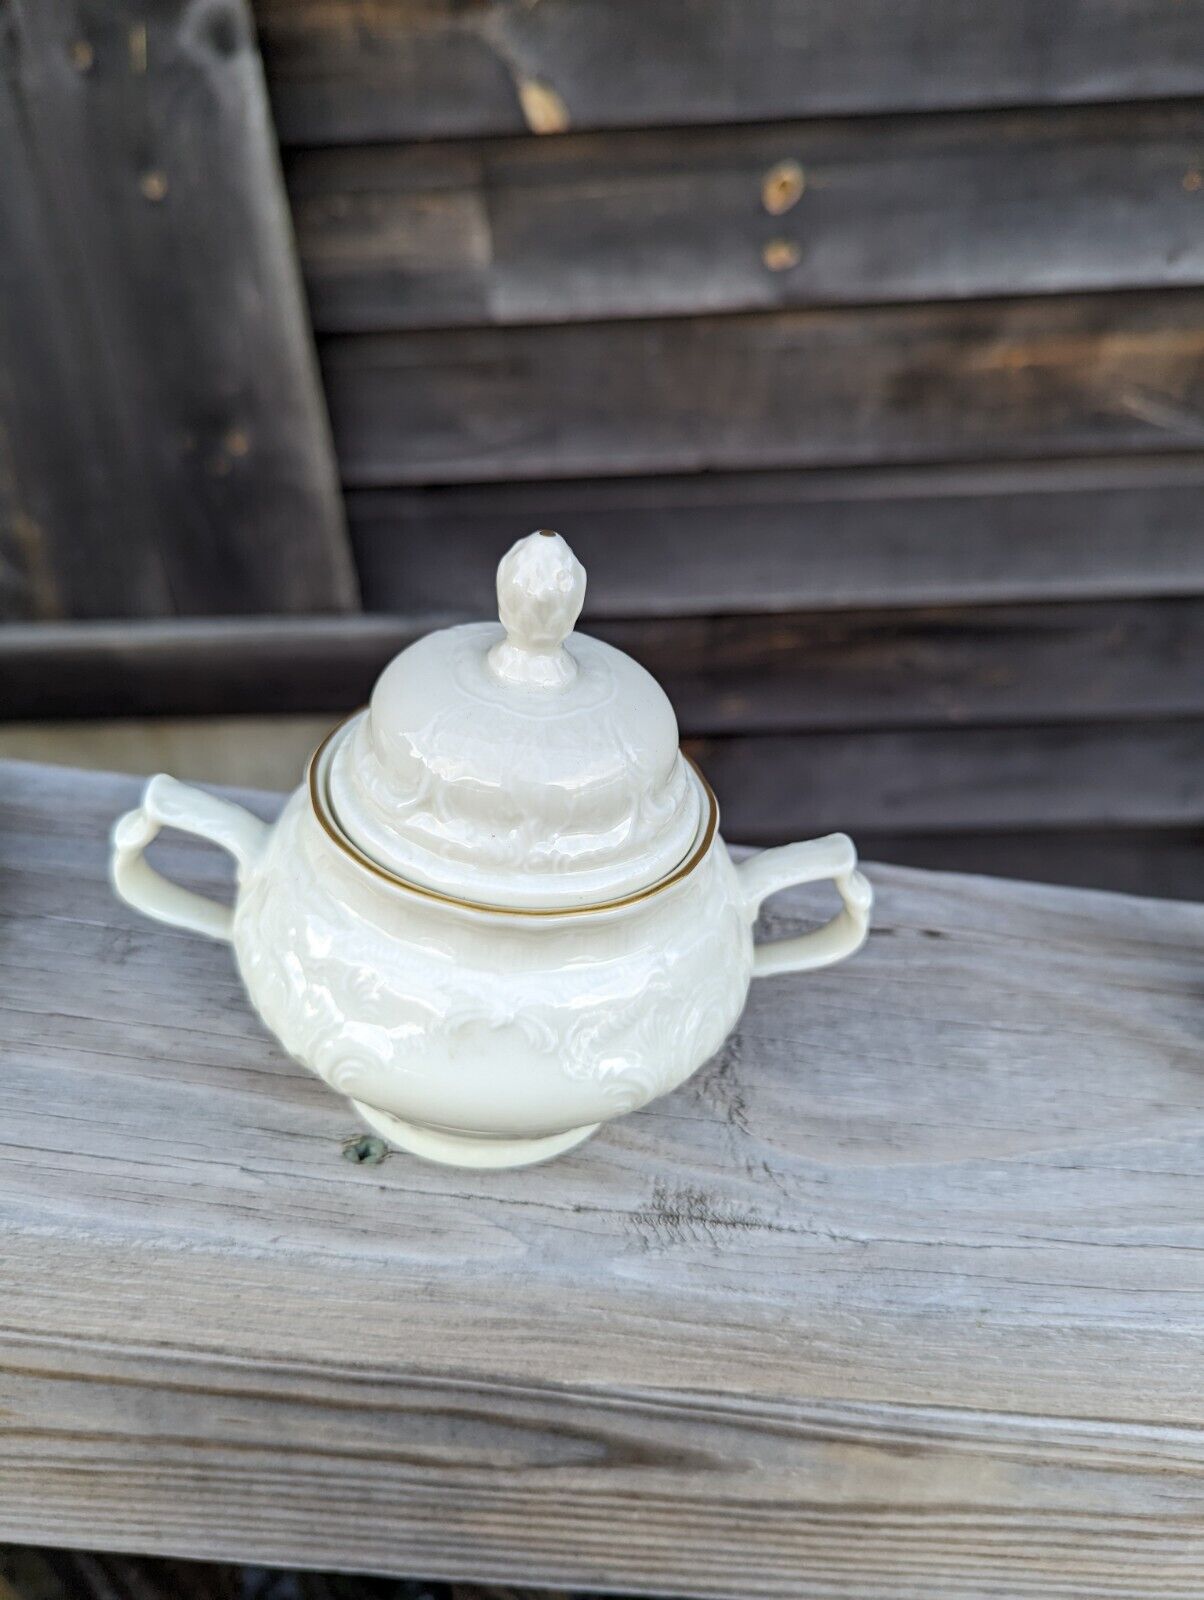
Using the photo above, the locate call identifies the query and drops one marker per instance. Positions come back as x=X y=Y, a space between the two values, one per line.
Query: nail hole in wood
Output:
x=779 y=255
x=365 y=1150
x=781 y=187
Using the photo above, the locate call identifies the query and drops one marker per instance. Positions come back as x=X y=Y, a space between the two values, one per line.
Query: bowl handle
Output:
x=832 y=857
x=169 y=804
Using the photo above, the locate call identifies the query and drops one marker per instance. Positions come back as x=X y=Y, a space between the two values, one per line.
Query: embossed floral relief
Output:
x=569 y=828
x=372 y=1011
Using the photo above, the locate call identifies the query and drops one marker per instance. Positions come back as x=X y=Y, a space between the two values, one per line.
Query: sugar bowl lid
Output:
x=517 y=763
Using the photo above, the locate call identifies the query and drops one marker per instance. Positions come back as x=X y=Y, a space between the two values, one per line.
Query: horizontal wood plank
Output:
x=697 y=1495
x=1098 y=529
x=989 y=665
x=885 y=1226
x=343 y=72
x=986 y=379
x=796 y=671
x=1166 y=862
x=199 y=667
x=663 y=224
x=778 y=786
x=164 y=446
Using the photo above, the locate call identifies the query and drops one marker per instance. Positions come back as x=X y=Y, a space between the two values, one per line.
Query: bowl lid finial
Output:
x=540 y=592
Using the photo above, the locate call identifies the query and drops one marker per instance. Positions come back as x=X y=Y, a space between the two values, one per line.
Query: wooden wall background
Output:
x=857 y=348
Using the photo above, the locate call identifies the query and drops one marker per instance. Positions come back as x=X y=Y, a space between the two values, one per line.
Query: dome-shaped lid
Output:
x=518 y=763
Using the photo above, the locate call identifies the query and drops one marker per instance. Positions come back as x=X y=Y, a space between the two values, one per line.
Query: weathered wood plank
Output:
x=696 y=1494
x=1165 y=862
x=1095 y=529
x=689 y=1358
x=199 y=667
x=163 y=441
x=986 y=665
x=986 y=379
x=725 y=675
x=342 y=72
x=662 y=224
x=776 y=786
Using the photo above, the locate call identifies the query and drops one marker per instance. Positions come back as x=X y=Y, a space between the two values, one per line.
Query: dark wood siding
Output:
x=859 y=350
x=980 y=379
x=674 y=222
x=759 y=541
x=344 y=72
x=789 y=672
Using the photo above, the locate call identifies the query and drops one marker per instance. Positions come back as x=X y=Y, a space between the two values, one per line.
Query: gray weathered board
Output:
x=674 y=221
x=343 y=71
x=1090 y=375
x=163 y=441
x=903 y=1294
x=776 y=541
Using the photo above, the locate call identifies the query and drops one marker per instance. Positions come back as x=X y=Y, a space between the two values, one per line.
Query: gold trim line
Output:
x=337 y=837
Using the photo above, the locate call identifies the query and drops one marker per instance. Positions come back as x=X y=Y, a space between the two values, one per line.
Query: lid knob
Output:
x=540 y=592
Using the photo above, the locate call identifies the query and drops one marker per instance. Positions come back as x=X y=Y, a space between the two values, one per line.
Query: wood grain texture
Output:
x=200 y=667
x=918 y=780
x=1108 y=528
x=986 y=379
x=163 y=441
x=991 y=665
x=345 y=72
x=675 y=223
x=902 y=1291
x=1164 y=862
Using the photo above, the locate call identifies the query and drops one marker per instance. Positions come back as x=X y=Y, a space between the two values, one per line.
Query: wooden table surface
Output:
x=902 y=1295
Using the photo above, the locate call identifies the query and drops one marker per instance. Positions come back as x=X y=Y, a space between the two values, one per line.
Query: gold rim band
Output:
x=335 y=834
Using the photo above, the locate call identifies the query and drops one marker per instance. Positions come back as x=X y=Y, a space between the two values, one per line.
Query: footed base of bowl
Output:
x=468 y=1149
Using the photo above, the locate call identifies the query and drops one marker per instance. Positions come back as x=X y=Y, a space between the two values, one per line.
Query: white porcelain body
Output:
x=507 y=1026
x=480 y=1037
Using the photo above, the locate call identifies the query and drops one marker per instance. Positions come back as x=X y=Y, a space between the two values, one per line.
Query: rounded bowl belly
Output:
x=487 y=1023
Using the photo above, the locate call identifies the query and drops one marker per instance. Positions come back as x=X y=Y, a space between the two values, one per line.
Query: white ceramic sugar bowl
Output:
x=499 y=912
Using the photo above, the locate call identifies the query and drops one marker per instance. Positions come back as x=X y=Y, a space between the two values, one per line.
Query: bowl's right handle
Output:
x=832 y=857
x=167 y=803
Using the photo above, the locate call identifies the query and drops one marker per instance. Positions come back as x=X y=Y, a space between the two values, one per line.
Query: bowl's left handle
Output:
x=832 y=857
x=169 y=804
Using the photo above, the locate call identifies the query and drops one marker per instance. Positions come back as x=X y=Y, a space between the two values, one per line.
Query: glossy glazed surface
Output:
x=518 y=762
x=481 y=1023
x=498 y=913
